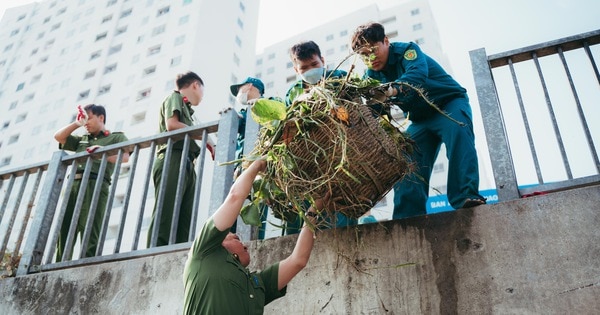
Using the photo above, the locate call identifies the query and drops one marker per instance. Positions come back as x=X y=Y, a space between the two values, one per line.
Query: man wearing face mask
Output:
x=310 y=66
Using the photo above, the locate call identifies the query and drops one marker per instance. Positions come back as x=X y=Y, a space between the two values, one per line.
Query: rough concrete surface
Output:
x=539 y=255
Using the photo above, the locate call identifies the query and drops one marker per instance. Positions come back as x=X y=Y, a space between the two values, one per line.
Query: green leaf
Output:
x=265 y=111
x=251 y=214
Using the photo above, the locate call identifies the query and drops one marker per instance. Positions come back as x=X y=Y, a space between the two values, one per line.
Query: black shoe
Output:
x=470 y=203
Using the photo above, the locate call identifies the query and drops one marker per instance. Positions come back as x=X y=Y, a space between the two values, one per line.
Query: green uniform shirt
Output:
x=80 y=143
x=216 y=283
x=174 y=103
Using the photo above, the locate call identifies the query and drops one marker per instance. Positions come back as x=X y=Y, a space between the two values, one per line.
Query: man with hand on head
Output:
x=216 y=277
x=93 y=119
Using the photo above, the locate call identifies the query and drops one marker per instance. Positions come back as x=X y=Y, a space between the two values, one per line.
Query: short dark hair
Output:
x=368 y=33
x=96 y=110
x=304 y=50
x=185 y=79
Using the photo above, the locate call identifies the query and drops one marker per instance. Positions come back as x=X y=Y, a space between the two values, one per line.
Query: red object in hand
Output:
x=212 y=151
x=91 y=149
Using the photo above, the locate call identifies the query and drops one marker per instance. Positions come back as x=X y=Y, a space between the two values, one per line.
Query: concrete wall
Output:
x=539 y=255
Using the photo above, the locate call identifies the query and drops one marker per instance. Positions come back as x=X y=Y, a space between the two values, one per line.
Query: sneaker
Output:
x=470 y=203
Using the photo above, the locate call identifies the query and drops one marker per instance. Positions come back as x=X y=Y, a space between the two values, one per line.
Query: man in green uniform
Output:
x=309 y=64
x=93 y=118
x=176 y=113
x=405 y=63
x=215 y=276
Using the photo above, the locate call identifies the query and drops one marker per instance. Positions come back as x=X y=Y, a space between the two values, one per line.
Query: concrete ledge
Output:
x=539 y=255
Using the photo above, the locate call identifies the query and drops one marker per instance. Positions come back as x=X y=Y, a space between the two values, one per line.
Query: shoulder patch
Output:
x=410 y=54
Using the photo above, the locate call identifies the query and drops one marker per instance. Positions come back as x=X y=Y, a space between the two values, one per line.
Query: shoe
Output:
x=470 y=203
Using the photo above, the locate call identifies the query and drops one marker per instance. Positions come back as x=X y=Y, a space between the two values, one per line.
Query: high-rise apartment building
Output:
x=123 y=54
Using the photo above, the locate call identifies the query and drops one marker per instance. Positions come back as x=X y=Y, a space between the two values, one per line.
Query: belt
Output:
x=93 y=176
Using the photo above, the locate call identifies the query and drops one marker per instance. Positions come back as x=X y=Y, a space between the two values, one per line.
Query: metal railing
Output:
x=539 y=106
x=34 y=199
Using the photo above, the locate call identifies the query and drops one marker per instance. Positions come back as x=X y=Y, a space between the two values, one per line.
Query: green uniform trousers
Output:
x=187 y=202
x=85 y=208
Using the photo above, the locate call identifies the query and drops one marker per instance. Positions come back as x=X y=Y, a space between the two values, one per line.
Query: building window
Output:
x=329 y=52
x=110 y=2
x=420 y=41
x=8 y=47
x=329 y=37
x=95 y=55
x=101 y=36
x=89 y=74
x=110 y=68
x=242 y=7
x=179 y=40
x=238 y=41
x=158 y=30
x=259 y=61
x=21 y=17
x=143 y=94
x=240 y=23
x=270 y=70
x=106 y=18
x=438 y=168
x=121 y=30
x=126 y=13
x=153 y=50
x=5 y=125
x=36 y=78
x=49 y=44
x=103 y=90
x=20 y=86
x=44 y=59
x=33 y=52
x=184 y=19
x=270 y=85
x=14 y=32
x=175 y=61
x=20 y=118
x=28 y=97
x=289 y=65
x=236 y=59
x=5 y=161
x=55 y=27
x=115 y=49
x=344 y=48
x=271 y=56
x=389 y=20
x=417 y=27
x=343 y=33
x=13 y=139
x=187 y=2
x=138 y=118
x=149 y=70
x=162 y=11
x=258 y=75
x=46 y=20
x=36 y=130
x=414 y=12
x=13 y=105
x=291 y=78
x=83 y=95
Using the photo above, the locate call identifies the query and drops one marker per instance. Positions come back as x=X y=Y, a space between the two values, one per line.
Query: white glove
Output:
x=82 y=116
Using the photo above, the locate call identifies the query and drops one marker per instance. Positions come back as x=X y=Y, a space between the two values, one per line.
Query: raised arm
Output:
x=63 y=133
x=228 y=212
x=291 y=266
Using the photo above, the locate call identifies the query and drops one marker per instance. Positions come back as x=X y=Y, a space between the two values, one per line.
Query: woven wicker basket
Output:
x=372 y=159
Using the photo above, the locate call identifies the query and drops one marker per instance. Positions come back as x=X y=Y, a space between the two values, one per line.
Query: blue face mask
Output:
x=313 y=76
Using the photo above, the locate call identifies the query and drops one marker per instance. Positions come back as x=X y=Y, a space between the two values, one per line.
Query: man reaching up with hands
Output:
x=215 y=275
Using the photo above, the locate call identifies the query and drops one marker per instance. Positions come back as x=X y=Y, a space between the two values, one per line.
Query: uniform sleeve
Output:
x=414 y=62
x=172 y=104
x=293 y=92
x=208 y=240
x=270 y=278
x=71 y=144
